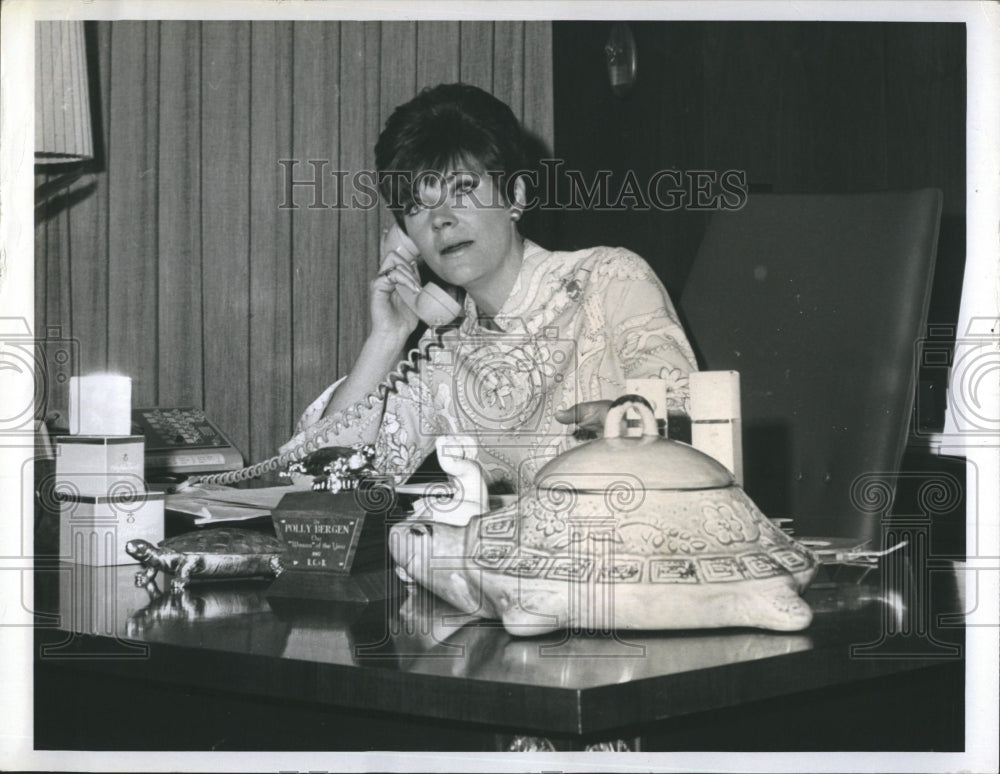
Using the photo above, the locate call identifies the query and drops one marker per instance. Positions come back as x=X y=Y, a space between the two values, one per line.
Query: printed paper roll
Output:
x=100 y=404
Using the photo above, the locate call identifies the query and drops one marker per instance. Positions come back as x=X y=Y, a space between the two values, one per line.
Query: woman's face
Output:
x=465 y=232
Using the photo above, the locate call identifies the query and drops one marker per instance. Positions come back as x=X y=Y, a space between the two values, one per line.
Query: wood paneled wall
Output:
x=172 y=261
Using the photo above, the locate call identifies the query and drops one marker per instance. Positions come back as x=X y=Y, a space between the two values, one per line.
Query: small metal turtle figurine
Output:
x=225 y=552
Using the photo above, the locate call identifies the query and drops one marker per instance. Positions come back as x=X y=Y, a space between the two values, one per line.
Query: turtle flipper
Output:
x=148 y=556
x=779 y=609
x=788 y=612
x=535 y=613
x=146 y=575
x=185 y=568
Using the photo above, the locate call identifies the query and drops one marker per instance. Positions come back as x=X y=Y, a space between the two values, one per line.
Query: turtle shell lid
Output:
x=223 y=540
x=658 y=463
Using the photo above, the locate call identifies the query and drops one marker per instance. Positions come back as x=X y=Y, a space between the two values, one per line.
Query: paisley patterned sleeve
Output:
x=416 y=413
x=402 y=427
x=645 y=337
x=315 y=409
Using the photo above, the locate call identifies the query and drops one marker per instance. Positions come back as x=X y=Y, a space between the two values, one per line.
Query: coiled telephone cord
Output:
x=317 y=436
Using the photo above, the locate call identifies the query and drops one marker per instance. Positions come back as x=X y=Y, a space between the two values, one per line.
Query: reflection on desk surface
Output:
x=424 y=635
x=488 y=652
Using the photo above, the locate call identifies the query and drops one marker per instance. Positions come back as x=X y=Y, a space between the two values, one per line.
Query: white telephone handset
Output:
x=432 y=305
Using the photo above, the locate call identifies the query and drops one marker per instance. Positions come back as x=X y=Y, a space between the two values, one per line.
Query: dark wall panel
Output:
x=657 y=126
x=316 y=106
x=88 y=218
x=925 y=67
x=132 y=186
x=270 y=405
x=358 y=233
x=745 y=76
x=832 y=114
x=476 y=53
x=225 y=144
x=180 y=371
x=438 y=52
x=801 y=107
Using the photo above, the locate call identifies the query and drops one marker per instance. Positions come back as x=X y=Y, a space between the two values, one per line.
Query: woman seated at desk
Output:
x=547 y=339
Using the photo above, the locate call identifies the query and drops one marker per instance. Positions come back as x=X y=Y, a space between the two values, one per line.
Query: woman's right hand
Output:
x=588 y=417
x=390 y=316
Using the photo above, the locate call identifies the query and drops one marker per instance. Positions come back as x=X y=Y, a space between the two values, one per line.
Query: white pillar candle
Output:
x=100 y=404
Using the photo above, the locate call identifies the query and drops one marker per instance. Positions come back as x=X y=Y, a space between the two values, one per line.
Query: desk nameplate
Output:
x=335 y=549
x=326 y=543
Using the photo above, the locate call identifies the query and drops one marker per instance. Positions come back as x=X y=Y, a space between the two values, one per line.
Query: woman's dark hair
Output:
x=440 y=128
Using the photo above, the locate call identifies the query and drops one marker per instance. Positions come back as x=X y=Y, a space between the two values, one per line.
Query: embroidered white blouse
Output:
x=575 y=326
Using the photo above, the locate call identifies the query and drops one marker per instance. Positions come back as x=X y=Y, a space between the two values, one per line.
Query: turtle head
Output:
x=139 y=549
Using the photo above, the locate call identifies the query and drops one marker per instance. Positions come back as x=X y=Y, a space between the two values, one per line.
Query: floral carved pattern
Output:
x=721 y=522
x=648 y=538
x=543 y=526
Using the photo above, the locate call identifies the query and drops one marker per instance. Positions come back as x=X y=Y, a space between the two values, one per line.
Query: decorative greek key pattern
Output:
x=578 y=570
x=498 y=528
x=506 y=557
x=622 y=571
x=672 y=571
x=721 y=569
x=492 y=555
x=790 y=559
x=761 y=566
x=526 y=566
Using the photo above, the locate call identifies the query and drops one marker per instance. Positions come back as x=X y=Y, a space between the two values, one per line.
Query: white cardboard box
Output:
x=93 y=530
x=100 y=465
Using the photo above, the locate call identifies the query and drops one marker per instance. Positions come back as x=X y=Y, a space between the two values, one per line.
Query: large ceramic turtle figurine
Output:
x=619 y=533
x=225 y=552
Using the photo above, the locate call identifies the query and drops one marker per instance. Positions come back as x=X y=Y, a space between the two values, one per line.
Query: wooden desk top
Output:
x=415 y=659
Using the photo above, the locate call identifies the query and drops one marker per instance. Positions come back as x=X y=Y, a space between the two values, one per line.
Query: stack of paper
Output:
x=209 y=503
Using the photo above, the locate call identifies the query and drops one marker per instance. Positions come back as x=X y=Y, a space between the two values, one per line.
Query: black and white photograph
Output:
x=499 y=386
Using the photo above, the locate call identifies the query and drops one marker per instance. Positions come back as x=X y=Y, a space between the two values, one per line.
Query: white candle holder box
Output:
x=100 y=465
x=93 y=530
x=716 y=417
